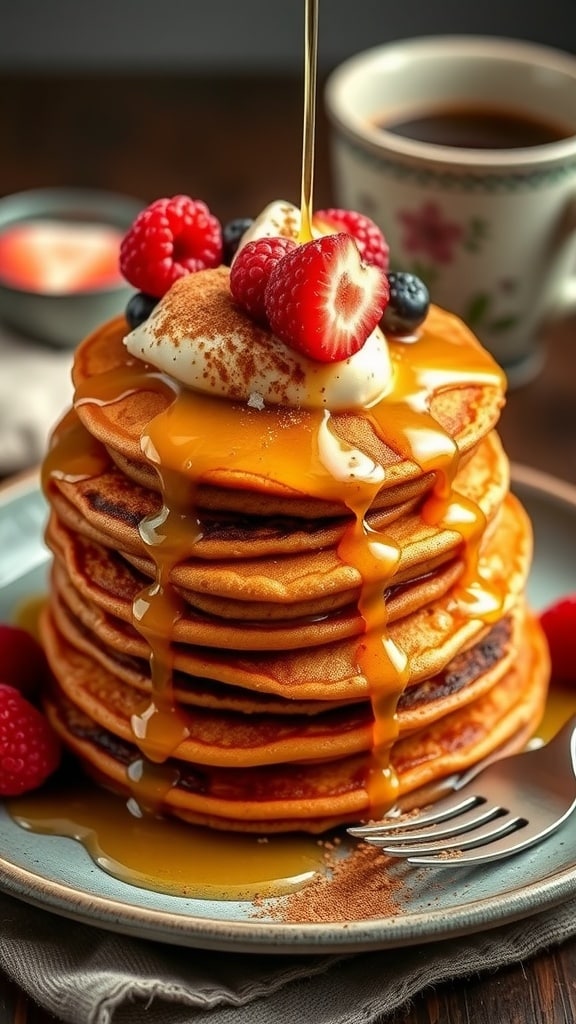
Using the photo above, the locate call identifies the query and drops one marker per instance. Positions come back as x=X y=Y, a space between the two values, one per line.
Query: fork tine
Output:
x=447 y=808
x=478 y=815
x=487 y=833
x=497 y=850
x=476 y=829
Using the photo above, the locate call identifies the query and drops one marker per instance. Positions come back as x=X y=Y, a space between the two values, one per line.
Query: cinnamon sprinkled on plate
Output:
x=357 y=887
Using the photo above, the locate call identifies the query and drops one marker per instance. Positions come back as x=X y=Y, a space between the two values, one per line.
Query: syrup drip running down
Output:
x=165 y=855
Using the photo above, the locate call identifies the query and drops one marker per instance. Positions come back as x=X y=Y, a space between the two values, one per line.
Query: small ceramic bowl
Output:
x=63 y=318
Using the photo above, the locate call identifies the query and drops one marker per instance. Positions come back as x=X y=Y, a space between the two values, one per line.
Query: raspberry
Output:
x=321 y=299
x=251 y=271
x=22 y=661
x=170 y=238
x=367 y=235
x=29 y=749
x=559 y=624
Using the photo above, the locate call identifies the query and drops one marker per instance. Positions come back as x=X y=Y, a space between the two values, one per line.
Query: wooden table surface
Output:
x=235 y=142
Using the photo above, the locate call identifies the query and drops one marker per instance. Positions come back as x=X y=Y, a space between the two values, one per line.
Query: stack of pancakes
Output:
x=216 y=636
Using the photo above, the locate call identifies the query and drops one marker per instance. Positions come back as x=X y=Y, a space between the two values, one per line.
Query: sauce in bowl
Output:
x=59 y=257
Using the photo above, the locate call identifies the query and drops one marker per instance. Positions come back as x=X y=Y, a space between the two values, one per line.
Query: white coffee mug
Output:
x=492 y=231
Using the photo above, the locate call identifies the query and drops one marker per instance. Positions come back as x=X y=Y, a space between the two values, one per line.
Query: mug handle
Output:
x=562 y=302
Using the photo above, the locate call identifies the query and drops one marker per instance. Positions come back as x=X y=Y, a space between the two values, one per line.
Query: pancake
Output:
x=321 y=795
x=108 y=507
x=220 y=727
x=118 y=417
x=329 y=584
x=477 y=668
x=326 y=673
x=285 y=616
x=430 y=615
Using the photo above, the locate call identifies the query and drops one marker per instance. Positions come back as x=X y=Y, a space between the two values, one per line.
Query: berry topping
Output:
x=29 y=749
x=408 y=305
x=22 y=661
x=232 y=233
x=367 y=235
x=322 y=300
x=139 y=308
x=559 y=624
x=170 y=238
x=251 y=271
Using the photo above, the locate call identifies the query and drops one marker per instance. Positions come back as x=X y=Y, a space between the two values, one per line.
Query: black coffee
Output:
x=478 y=128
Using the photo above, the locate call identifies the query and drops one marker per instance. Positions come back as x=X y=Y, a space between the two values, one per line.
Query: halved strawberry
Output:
x=322 y=300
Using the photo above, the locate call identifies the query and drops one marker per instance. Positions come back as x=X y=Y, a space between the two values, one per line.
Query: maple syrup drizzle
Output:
x=299 y=449
x=74 y=454
x=421 y=370
x=309 y=127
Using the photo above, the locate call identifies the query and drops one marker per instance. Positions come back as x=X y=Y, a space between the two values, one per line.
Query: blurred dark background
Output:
x=235 y=35
x=201 y=96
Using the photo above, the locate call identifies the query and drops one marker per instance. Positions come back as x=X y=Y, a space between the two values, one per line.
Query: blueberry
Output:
x=408 y=305
x=139 y=308
x=232 y=233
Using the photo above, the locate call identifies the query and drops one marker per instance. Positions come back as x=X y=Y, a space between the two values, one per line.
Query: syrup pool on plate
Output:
x=163 y=854
x=166 y=855
x=560 y=706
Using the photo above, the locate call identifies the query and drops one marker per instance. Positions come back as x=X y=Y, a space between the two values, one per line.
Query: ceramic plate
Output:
x=58 y=875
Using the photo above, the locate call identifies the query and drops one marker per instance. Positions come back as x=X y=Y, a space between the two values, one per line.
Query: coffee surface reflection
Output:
x=477 y=127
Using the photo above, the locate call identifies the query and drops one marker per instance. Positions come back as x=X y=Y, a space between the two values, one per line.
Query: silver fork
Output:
x=505 y=807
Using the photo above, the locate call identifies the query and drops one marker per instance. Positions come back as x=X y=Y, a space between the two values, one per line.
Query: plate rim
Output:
x=277 y=936
x=281 y=937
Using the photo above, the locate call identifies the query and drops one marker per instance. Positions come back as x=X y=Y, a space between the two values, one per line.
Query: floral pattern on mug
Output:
x=432 y=239
x=428 y=233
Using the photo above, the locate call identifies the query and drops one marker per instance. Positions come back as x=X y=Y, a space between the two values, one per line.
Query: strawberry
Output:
x=322 y=300
x=29 y=749
x=559 y=624
x=366 y=233
x=251 y=270
x=170 y=238
x=22 y=661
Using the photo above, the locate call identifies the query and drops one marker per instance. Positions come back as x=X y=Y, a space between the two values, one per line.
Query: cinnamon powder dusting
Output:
x=200 y=309
x=357 y=887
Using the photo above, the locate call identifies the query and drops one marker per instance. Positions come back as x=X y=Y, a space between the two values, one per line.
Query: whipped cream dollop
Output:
x=281 y=218
x=200 y=337
x=278 y=218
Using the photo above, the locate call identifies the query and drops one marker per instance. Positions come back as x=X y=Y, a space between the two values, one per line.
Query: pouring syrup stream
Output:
x=309 y=129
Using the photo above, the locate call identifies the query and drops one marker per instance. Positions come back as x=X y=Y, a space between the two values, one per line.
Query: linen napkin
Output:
x=35 y=389
x=85 y=975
